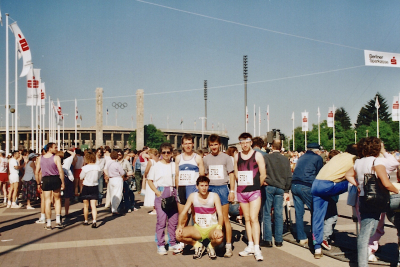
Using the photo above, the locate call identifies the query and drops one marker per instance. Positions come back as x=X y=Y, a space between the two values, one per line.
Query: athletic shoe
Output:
x=85 y=223
x=303 y=242
x=162 y=251
x=211 y=253
x=175 y=249
x=94 y=225
x=48 y=228
x=153 y=212
x=129 y=211
x=258 y=256
x=15 y=206
x=8 y=205
x=318 y=253
x=59 y=226
x=198 y=252
x=40 y=221
x=30 y=208
x=372 y=257
x=228 y=253
x=248 y=251
x=325 y=245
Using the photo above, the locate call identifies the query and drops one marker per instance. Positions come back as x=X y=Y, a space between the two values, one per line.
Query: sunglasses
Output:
x=166 y=152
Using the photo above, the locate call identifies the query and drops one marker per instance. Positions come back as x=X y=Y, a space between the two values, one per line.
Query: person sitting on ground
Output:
x=208 y=225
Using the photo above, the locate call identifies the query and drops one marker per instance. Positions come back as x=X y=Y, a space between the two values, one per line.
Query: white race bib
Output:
x=186 y=178
x=245 y=178
x=203 y=220
x=216 y=172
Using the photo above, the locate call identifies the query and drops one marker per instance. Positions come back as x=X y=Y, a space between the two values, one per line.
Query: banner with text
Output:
x=381 y=59
x=331 y=119
x=304 y=123
x=395 y=108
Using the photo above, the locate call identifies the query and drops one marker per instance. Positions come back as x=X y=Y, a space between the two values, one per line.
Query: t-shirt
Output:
x=218 y=168
x=163 y=175
x=90 y=174
x=363 y=166
x=336 y=168
x=67 y=168
x=13 y=172
x=108 y=160
x=3 y=165
x=79 y=162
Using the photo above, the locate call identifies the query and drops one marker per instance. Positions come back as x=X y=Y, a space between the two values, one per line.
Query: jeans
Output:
x=369 y=223
x=101 y=183
x=138 y=179
x=331 y=218
x=129 y=197
x=301 y=195
x=322 y=191
x=273 y=196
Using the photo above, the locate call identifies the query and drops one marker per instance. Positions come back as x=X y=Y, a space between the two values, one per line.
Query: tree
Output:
x=367 y=113
x=342 y=116
x=153 y=137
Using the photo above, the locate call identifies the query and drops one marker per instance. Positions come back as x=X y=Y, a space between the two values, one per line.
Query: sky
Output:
x=301 y=55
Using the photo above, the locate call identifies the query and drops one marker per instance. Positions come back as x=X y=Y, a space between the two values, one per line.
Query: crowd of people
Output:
x=194 y=193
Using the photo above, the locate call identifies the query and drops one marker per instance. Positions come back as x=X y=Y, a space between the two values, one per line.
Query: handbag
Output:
x=169 y=203
x=376 y=196
x=352 y=195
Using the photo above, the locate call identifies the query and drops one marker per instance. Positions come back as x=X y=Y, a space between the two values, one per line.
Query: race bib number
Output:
x=186 y=178
x=203 y=220
x=245 y=178
x=216 y=172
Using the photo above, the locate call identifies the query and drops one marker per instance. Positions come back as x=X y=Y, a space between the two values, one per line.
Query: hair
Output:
x=14 y=152
x=114 y=155
x=352 y=149
x=231 y=151
x=101 y=152
x=121 y=151
x=369 y=146
x=257 y=142
x=165 y=145
x=48 y=146
x=187 y=137
x=214 y=138
x=107 y=148
x=333 y=153
x=90 y=157
x=153 y=151
x=134 y=151
x=277 y=144
x=78 y=151
x=245 y=136
x=202 y=179
x=200 y=152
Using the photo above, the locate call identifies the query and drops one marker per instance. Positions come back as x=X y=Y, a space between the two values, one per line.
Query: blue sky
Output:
x=301 y=55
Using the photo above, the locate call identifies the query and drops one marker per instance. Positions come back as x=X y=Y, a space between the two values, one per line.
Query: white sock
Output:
x=228 y=245
x=86 y=221
x=9 y=202
x=318 y=251
x=251 y=244
x=13 y=204
x=42 y=216
x=58 y=219
x=49 y=222
x=256 y=247
x=94 y=221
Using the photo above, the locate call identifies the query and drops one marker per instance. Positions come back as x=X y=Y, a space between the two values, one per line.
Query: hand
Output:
x=265 y=184
x=218 y=234
x=286 y=196
x=158 y=193
x=231 y=197
x=179 y=233
x=62 y=186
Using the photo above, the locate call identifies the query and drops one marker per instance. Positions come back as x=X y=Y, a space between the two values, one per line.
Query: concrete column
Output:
x=112 y=140
x=139 y=119
x=122 y=140
x=176 y=141
x=195 y=142
x=69 y=140
x=99 y=117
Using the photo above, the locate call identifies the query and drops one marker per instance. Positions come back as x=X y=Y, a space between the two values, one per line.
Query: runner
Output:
x=218 y=167
x=207 y=206
x=250 y=173
x=51 y=180
x=77 y=163
x=3 y=174
x=13 y=169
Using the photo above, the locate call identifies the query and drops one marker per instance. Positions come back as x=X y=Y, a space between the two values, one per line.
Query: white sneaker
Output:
x=258 y=256
x=372 y=257
x=175 y=249
x=40 y=221
x=15 y=206
x=248 y=251
x=162 y=251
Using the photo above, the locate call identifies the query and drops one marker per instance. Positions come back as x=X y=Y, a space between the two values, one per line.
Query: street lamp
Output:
x=367 y=133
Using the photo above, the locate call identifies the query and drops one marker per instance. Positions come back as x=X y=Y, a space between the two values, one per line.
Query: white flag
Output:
x=318 y=113
x=43 y=98
x=76 y=110
x=304 y=119
x=381 y=59
x=1 y=19
x=24 y=48
x=395 y=108
x=377 y=103
x=33 y=85
x=292 y=115
x=331 y=117
x=59 y=112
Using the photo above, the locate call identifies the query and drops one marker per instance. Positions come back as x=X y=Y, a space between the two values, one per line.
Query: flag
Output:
x=24 y=48
x=318 y=113
x=268 y=113
x=80 y=117
x=377 y=103
x=181 y=121
x=43 y=98
x=247 y=116
x=59 y=112
x=395 y=109
x=33 y=82
x=304 y=124
x=55 y=112
x=76 y=110
x=107 y=111
x=331 y=117
x=293 y=116
x=1 y=19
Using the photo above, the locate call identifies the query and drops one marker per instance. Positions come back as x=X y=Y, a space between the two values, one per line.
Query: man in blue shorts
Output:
x=218 y=166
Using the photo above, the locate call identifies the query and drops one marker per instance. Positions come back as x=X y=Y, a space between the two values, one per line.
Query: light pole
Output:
x=355 y=137
x=245 y=90
x=202 y=130
x=367 y=132
x=12 y=110
x=205 y=102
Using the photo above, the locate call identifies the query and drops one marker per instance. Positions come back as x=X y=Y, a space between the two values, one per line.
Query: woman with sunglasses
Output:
x=161 y=181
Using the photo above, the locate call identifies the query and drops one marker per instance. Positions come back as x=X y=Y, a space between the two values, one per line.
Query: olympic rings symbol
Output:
x=120 y=105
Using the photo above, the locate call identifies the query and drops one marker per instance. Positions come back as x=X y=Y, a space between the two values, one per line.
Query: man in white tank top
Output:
x=207 y=206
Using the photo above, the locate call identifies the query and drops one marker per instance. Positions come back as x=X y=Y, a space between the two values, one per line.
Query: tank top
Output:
x=188 y=169
x=205 y=214
x=48 y=166
x=248 y=165
x=29 y=172
x=78 y=163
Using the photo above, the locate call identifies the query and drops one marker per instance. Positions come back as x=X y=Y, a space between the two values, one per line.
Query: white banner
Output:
x=43 y=98
x=33 y=85
x=381 y=59
x=23 y=49
x=60 y=116
x=304 y=121
x=395 y=108
x=331 y=118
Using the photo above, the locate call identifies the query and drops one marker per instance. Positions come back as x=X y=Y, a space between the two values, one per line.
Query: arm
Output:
x=149 y=164
x=37 y=172
x=261 y=167
x=231 y=196
x=218 y=232
x=57 y=161
x=350 y=176
x=182 y=215
x=200 y=163
x=382 y=175
x=75 y=160
x=177 y=159
x=153 y=187
x=235 y=168
x=288 y=184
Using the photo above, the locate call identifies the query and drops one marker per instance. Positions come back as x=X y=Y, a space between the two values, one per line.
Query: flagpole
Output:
x=268 y=118
x=334 y=140
x=377 y=117
x=259 y=121
x=319 y=130
x=16 y=95
x=107 y=118
x=7 y=93
x=48 y=135
x=293 y=128
x=254 y=119
x=36 y=126
x=76 y=127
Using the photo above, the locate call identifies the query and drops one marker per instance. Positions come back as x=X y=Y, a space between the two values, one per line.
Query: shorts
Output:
x=77 y=172
x=51 y=183
x=89 y=192
x=222 y=191
x=247 y=197
x=13 y=178
x=184 y=193
x=68 y=188
x=204 y=232
x=3 y=177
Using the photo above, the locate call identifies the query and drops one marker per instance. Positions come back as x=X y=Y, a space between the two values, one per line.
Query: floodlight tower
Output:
x=245 y=89
x=205 y=102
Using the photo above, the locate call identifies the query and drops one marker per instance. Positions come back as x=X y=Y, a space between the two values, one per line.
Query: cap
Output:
x=313 y=146
x=32 y=155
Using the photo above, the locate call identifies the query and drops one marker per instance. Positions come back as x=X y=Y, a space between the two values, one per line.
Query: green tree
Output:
x=342 y=116
x=367 y=113
x=153 y=137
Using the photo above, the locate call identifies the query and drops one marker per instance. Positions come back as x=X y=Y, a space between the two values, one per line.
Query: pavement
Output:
x=129 y=241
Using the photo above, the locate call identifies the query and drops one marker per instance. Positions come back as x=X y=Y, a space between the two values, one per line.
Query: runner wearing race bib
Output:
x=207 y=225
x=219 y=168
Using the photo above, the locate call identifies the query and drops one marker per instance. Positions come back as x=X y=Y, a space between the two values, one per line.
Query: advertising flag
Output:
x=268 y=113
x=331 y=117
x=381 y=59
x=293 y=116
x=76 y=110
x=23 y=48
x=395 y=108
x=247 y=115
x=304 y=121
x=33 y=82
x=43 y=98
x=377 y=103
x=59 y=112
